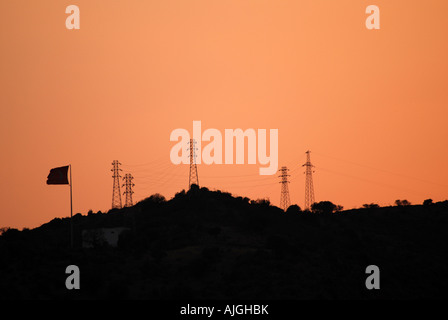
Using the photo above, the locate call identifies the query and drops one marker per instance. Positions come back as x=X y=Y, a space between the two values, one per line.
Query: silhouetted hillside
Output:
x=210 y=245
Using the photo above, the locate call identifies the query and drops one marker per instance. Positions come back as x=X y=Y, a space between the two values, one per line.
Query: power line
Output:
x=382 y=170
x=369 y=181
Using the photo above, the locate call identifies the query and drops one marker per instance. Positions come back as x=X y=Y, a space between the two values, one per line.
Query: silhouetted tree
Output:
x=293 y=209
x=370 y=205
x=325 y=207
x=179 y=194
x=261 y=202
x=194 y=188
x=402 y=203
x=427 y=202
x=9 y=232
x=156 y=198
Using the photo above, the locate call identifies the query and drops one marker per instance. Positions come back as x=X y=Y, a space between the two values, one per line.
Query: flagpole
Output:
x=71 y=209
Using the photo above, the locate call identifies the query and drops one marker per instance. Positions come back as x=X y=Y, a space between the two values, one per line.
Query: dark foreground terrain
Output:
x=209 y=245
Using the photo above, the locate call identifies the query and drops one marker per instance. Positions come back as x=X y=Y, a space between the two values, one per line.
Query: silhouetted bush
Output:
x=293 y=209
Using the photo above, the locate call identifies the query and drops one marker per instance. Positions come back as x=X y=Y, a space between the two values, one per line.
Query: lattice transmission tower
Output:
x=128 y=191
x=116 y=194
x=309 y=188
x=193 y=178
x=284 y=197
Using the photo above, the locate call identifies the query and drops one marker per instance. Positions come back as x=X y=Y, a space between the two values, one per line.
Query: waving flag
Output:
x=58 y=176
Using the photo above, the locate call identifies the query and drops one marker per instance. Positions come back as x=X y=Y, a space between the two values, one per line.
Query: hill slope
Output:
x=209 y=245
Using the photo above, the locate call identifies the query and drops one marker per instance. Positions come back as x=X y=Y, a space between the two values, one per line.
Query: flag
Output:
x=58 y=176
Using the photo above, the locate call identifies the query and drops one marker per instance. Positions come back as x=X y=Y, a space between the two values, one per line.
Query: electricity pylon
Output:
x=284 y=197
x=193 y=178
x=116 y=194
x=128 y=192
x=309 y=188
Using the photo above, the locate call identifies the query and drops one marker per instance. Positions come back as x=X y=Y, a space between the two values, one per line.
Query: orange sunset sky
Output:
x=371 y=105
